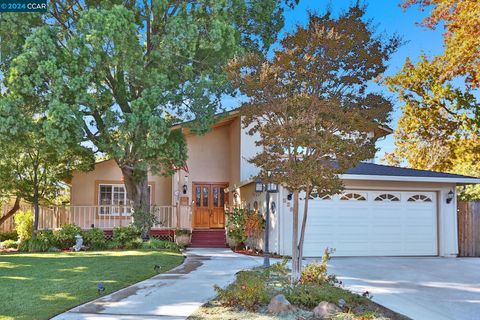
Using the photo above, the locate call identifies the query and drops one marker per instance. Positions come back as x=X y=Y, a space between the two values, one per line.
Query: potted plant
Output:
x=183 y=237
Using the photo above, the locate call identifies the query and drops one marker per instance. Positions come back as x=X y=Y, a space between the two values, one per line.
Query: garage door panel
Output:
x=372 y=228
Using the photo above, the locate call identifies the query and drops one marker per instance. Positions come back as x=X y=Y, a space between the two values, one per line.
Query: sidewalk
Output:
x=172 y=295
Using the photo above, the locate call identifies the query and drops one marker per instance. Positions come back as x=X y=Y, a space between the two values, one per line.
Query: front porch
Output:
x=107 y=217
x=168 y=219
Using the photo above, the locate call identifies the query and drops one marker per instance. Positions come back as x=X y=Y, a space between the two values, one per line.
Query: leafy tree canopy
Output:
x=440 y=126
x=461 y=39
x=35 y=161
x=120 y=73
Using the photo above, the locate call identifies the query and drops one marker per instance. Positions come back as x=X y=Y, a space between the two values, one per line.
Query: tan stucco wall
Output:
x=212 y=158
x=235 y=155
x=84 y=185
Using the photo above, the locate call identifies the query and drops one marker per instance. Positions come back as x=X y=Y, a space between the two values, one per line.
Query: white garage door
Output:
x=372 y=223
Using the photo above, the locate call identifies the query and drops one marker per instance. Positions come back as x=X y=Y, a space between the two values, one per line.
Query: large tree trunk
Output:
x=11 y=212
x=36 y=211
x=136 y=185
x=36 y=216
x=295 y=262
x=36 y=199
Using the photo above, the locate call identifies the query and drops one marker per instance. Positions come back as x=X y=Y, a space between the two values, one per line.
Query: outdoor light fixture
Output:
x=184 y=189
x=289 y=196
x=269 y=187
x=258 y=186
x=450 y=196
x=272 y=187
x=100 y=287
x=273 y=207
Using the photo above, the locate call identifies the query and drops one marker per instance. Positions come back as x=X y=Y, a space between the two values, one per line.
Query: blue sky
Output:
x=389 y=18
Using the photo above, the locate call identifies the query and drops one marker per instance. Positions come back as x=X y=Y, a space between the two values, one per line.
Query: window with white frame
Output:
x=113 y=199
x=419 y=198
x=388 y=197
x=353 y=196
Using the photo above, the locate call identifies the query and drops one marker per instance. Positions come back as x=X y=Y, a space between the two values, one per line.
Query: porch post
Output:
x=177 y=214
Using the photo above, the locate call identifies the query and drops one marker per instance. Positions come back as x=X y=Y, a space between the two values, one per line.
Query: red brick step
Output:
x=210 y=238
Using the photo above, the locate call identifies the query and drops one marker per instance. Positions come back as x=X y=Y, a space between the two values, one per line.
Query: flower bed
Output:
x=269 y=294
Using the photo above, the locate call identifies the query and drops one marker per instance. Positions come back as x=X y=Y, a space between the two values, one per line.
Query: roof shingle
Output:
x=373 y=169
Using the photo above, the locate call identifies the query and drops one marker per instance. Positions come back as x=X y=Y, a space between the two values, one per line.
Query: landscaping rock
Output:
x=279 y=304
x=325 y=309
x=341 y=303
x=359 y=309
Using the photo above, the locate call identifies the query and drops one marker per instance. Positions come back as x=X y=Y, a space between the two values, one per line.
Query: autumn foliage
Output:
x=461 y=20
x=309 y=105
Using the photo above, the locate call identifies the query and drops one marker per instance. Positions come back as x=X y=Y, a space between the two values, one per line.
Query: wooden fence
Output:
x=9 y=224
x=469 y=229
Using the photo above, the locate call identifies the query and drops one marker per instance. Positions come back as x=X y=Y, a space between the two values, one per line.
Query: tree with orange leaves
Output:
x=309 y=106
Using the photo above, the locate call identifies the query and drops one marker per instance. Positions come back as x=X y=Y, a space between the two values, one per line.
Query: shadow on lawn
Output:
x=55 y=282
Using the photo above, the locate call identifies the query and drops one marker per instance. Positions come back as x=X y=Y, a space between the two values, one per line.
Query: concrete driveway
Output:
x=420 y=288
x=172 y=295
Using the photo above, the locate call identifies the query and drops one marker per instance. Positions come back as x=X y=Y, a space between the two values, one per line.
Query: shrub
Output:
x=278 y=269
x=8 y=244
x=236 y=224
x=254 y=224
x=316 y=272
x=47 y=237
x=94 y=239
x=23 y=246
x=24 y=224
x=134 y=244
x=111 y=245
x=66 y=236
x=155 y=244
x=8 y=236
x=310 y=295
x=248 y=291
x=33 y=245
x=123 y=235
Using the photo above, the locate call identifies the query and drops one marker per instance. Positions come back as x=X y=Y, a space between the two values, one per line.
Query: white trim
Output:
x=124 y=207
x=239 y=185
x=459 y=181
x=403 y=178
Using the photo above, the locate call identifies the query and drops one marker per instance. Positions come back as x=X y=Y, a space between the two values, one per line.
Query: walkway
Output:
x=172 y=295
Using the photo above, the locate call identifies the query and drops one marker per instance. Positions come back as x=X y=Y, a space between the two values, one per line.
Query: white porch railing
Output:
x=109 y=217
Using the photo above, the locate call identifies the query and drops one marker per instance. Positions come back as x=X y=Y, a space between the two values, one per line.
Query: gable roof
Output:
x=378 y=172
x=224 y=116
x=381 y=172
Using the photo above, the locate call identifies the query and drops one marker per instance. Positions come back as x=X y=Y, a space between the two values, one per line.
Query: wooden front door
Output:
x=208 y=205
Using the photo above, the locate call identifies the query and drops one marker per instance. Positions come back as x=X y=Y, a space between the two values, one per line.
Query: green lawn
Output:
x=39 y=286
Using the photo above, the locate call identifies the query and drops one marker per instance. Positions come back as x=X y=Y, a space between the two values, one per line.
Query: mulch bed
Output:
x=257 y=253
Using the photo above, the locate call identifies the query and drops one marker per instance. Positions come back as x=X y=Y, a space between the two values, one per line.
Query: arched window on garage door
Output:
x=419 y=198
x=354 y=196
x=315 y=196
x=387 y=197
